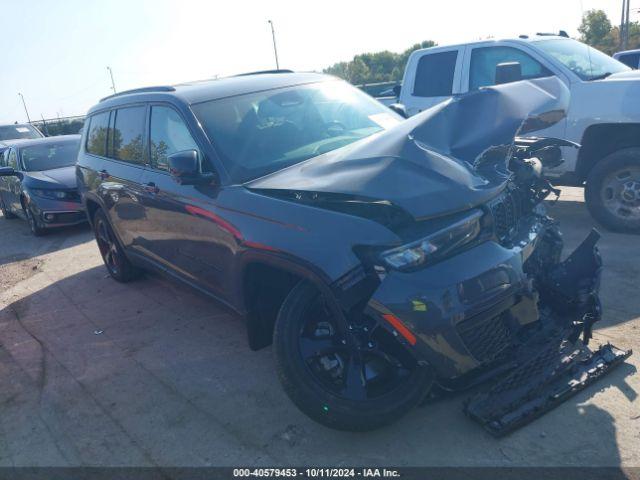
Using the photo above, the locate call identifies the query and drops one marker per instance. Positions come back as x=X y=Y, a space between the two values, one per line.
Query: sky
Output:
x=56 y=53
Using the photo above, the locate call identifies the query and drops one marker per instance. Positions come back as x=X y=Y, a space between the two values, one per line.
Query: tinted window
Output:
x=10 y=132
x=434 y=75
x=128 y=134
x=97 y=135
x=485 y=60
x=259 y=133
x=631 y=60
x=168 y=134
x=49 y=156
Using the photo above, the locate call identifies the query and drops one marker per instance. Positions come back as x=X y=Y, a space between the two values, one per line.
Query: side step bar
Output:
x=540 y=384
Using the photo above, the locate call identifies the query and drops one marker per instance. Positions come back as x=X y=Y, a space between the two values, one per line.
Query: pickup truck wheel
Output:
x=5 y=212
x=613 y=191
x=354 y=377
x=118 y=265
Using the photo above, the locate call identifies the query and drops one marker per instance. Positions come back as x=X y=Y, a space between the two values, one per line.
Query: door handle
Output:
x=151 y=188
x=103 y=174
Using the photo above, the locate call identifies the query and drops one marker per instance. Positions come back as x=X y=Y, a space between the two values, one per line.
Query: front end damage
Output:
x=504 y=311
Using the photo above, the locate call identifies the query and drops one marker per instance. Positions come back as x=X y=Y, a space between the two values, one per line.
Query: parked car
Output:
x=380 y=257
x=38 y=182
x=18 y=131
x=603 y=114
x=631 y=58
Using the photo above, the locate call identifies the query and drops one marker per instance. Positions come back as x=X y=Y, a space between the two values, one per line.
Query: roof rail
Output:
x=264 y=72
x=161 y=88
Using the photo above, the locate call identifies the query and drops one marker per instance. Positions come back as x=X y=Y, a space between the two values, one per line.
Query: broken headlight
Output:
x=435 y=246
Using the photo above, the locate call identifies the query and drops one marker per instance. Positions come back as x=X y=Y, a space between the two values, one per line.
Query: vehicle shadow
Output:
x=17 y=242
x=90 y=360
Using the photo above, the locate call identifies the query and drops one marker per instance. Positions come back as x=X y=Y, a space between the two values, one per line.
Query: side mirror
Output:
x=508 y=72
x=184 y=167
x=396 y=90
x=399 y=109
x=8 y=172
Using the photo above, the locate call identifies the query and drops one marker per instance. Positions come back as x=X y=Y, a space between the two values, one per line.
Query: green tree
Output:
x=595 y=28
x=375 y=67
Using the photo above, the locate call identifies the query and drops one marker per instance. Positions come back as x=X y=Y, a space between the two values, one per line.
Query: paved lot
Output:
x=97 y=373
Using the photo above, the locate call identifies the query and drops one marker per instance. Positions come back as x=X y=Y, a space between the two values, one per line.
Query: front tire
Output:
x=34 y=224
x=612 y=192
x=332 y=381
x=118 y=265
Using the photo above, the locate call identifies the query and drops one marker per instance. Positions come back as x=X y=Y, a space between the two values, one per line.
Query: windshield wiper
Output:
x=600 y=77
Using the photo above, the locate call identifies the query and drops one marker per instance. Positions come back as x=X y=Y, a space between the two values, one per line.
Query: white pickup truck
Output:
x=603 y=116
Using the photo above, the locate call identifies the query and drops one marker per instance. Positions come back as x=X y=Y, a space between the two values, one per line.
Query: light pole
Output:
x=275 y=50
x=25 y=107
x=113 y=85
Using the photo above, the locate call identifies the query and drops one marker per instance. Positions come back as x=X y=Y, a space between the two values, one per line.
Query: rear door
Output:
x=431 y=77
x=122 y=172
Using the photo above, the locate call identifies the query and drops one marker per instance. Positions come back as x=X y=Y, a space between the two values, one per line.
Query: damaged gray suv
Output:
x=384 y=259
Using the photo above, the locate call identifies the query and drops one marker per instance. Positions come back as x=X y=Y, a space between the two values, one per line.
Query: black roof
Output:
x=204 y=90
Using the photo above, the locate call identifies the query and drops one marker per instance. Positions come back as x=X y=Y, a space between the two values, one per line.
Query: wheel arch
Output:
x=264 y=283
x=601 y=140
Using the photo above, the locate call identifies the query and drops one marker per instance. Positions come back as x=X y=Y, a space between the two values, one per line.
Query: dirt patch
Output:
x=15 y=269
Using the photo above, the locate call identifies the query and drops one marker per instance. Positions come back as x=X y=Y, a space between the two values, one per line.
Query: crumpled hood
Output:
x=64 y=177
x=424 y=165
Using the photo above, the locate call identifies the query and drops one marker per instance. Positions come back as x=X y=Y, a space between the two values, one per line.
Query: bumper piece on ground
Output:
x=545 y=378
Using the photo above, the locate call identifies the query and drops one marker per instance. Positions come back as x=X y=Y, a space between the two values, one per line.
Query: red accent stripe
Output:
x=400 y=327
x=192 y=209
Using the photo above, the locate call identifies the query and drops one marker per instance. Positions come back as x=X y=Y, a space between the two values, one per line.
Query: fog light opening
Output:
x=49 y=217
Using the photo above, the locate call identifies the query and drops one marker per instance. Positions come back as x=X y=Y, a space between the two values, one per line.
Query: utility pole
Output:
x=25 y=107
x=275 y=50
x=624 y=24
x=113 y=85
x=626 y=27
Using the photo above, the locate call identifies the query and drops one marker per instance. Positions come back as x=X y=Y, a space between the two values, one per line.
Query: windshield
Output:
x=586 y=62
x=49 y=156
x=12 y=132
x=260 y=133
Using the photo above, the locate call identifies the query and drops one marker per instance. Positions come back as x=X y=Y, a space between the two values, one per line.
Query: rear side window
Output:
x=97 y=135
x=168 y=134
x=127 y=139
x=632 y=60
x=482 y=72
x=434 y=75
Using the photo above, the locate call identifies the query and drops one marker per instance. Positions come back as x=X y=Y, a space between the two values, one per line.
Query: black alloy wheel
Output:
x=351 y=375
x=118 y=265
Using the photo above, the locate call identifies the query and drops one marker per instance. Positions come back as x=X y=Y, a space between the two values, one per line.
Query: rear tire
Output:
x=321 y=401
x=118 y=265
x=5 y=212
x=612 y=192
